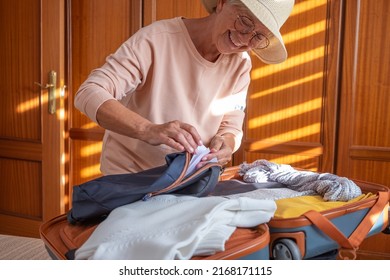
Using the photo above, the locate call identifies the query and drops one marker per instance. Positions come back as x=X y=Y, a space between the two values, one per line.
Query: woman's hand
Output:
x=221 y=148
x=175 y=134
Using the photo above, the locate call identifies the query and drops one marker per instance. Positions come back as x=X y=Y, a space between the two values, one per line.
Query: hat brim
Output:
x=276 y=51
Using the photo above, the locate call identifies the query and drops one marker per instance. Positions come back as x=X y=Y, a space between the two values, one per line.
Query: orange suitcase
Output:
x=333 y=233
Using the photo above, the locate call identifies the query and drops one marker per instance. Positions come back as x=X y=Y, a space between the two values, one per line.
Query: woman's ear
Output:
x=220 y=4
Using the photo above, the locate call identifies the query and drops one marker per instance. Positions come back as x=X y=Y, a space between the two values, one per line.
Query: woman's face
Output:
x=238 y=30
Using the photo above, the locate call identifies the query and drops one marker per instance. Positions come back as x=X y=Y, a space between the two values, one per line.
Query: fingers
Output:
x=187 y=136
x=192 y=134
x=222 y=157
x=219 y=150
x=177 y=135
x=173 y=144
x=184 y=137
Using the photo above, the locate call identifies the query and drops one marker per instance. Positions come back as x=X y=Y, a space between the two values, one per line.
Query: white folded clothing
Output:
x=173 y=227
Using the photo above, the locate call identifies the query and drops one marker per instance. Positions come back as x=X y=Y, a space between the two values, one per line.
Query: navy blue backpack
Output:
x=92 y=201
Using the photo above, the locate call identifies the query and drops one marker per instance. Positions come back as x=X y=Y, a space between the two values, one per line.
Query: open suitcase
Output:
x=62 y=239
x=312 y=235
x=328 y=234
x=63 y=235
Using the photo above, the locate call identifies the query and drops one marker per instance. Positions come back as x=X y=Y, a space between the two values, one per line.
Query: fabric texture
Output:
x=271 y=194
x=173 y=227
x=22 y=248
x=331 y=187
x=187 y=91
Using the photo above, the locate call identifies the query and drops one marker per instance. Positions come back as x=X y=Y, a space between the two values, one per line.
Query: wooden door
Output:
x=31 y=138
x=364 y=134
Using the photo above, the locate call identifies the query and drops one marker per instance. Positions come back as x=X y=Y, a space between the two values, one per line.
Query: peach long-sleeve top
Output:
x=159 y=74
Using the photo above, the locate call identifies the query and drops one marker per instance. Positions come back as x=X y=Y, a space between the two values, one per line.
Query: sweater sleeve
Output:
x=233 y=120
x=121 y=74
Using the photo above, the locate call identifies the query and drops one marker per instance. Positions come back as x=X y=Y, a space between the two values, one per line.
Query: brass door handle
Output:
x=51 y=87
x=44 y=86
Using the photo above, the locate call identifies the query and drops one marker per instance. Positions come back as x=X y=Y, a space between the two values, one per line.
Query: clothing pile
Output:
x=173 y=227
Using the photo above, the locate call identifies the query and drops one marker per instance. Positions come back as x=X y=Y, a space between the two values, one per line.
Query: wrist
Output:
x=143 y=129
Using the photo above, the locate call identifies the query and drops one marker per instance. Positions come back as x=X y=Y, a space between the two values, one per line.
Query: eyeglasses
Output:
x=245 y=25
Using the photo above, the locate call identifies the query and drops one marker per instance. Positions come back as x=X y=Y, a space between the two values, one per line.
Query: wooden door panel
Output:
x=31 y=139
x=364 y=135
x=21 y=193
x=364 y=116
x=20 y=98
x=371 y=117
x=370 y=130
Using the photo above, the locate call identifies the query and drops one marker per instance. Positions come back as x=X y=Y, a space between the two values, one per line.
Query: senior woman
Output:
x=181 y=83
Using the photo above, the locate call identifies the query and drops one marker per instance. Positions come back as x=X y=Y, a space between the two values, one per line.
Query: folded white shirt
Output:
x=173 y=227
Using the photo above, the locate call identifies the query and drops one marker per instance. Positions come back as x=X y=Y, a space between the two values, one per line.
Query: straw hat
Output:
x=273 y=14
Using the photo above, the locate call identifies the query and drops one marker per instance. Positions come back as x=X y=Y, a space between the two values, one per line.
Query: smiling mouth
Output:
x=234 y=42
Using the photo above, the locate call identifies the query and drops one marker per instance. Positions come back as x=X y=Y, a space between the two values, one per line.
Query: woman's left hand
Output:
x=221 y=147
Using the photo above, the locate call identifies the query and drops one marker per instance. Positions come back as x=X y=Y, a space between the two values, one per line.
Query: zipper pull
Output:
x=147 y=196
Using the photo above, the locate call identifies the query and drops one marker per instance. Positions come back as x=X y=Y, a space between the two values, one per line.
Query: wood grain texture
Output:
x=364 y=133
x=21 y=192
x=364 y=115
x=20 y=102
x=295 y=102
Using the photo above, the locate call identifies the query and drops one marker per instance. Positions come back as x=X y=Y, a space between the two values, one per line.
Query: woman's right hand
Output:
x=175 y=134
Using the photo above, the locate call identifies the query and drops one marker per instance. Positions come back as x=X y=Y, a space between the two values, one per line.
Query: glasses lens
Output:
x=259 y=41
x=244 y=24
